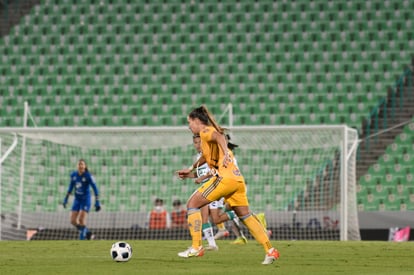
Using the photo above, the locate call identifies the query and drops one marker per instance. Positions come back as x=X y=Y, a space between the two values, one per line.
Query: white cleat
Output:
x=212 y=248
x=271 y=256
x=191 y=252
x=221 y=234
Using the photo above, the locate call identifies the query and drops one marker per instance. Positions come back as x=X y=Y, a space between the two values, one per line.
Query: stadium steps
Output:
x=371 y=148
x=389 y=183
x=12 y=12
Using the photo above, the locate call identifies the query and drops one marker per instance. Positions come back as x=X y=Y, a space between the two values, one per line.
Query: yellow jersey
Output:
x=214 y=156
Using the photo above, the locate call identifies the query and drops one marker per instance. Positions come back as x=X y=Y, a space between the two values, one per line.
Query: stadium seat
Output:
x=310 y=71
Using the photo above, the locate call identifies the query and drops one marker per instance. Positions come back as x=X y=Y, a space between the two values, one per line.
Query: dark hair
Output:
x=176 y=202
x=158 y=200
x=205 y=117
x=86 y=165
x=230 y=145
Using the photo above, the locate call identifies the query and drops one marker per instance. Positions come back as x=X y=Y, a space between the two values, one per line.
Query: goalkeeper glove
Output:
x=65 y=201
x=97 y=205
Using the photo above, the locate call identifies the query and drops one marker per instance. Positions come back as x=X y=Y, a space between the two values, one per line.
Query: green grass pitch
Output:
x=160 y=257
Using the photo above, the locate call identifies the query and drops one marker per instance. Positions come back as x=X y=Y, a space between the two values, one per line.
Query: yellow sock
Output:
x=194 y=225
x=221 y=226
x=257 y=231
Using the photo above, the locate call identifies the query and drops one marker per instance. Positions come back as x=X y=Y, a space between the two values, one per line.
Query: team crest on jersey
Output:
x=83 y=179
x=236 y=172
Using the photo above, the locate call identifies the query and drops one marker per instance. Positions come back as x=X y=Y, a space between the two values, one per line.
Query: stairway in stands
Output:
x=373 y=144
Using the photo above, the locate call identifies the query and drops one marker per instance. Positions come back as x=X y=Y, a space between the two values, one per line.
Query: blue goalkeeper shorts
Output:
x=81 y=204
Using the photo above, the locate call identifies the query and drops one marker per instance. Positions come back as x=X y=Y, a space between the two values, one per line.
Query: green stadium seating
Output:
x=132 y=64
x=393 y=173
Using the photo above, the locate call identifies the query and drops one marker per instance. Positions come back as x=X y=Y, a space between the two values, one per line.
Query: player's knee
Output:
x=219 y=218
x=193 y=203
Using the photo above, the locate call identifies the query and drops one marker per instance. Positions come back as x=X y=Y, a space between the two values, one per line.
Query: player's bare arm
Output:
x=221 y=141
x=187 y=173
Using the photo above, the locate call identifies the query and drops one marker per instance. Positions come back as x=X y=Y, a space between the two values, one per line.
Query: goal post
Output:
x=316 y=166
x=302 y=177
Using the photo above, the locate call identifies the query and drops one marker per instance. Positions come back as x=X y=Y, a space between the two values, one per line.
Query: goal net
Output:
x=302 y=178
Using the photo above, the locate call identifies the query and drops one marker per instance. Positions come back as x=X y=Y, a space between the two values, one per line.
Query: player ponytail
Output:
x=205 y=117
x=230 y=145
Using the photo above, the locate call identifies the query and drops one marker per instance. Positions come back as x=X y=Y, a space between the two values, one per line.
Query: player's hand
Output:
x=65 y=201
x=183 y=173
x=97 y=206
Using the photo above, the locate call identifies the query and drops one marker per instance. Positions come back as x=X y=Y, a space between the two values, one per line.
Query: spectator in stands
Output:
x=178 y=215
x=82 y=180
x=159 y=218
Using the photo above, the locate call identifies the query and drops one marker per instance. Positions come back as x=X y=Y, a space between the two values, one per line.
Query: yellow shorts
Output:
x=234 y=191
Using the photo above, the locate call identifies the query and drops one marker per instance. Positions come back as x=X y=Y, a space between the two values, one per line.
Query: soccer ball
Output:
x=121 y=252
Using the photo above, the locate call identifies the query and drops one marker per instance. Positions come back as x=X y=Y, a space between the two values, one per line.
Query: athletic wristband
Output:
x=191 y=167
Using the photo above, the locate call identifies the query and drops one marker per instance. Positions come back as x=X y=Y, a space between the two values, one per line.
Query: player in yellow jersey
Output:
x=226 y=181
x=215 y=208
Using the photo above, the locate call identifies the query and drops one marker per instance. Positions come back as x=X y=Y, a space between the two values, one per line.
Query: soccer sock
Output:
x=221 y=226
x=230 y=214
x=236 y=227
x=257 y=230
x=208 y=234
x=82 y=231
x=194 y=225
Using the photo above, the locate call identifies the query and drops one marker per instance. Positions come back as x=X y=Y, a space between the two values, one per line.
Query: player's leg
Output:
x=83 y=230
x=262 y=219
x=219 y=218
x=221 y=226
x=74 y=217
x=239 y=203
x=235 y=227
x=258 y=232
x=194 y=220
x=208 y=229
x=210 y=191
x=75 y=212
x=84 y=233
x=254 y=226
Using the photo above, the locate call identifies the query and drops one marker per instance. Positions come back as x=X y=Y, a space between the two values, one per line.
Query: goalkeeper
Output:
x=82 y=180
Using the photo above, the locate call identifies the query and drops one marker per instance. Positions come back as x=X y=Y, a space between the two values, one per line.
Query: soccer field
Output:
x=160 y=257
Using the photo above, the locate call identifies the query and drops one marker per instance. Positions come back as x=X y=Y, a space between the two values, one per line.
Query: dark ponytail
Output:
x=230 y=145
x=205 y=117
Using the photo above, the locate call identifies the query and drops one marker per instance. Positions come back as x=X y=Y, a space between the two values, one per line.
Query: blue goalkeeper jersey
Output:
x=82 y=184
